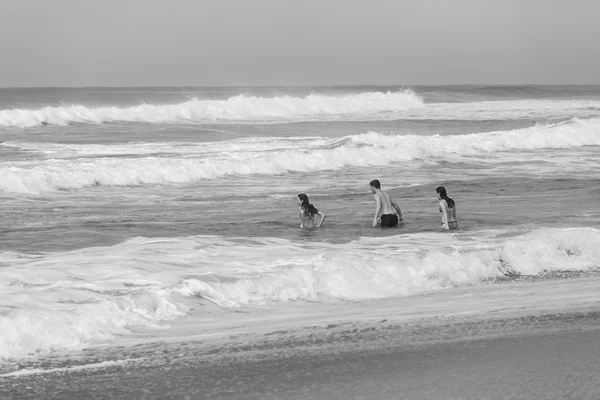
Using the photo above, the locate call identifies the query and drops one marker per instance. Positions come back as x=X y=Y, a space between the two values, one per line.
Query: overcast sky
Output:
x=302 y=42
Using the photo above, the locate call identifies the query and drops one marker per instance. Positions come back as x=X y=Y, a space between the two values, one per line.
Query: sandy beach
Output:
x=559 y=365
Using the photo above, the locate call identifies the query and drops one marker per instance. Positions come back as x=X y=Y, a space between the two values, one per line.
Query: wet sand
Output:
x=345 y=362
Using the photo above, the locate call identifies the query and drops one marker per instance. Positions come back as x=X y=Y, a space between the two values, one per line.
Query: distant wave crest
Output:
x=237 y=108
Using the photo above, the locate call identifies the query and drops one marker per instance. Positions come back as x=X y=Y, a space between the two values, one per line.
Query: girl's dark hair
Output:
x=308 y=208
x=442 y=192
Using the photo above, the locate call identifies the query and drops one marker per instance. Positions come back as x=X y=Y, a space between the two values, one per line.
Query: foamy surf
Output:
x=240 y=109
x=80 y=166
x=85 y=367
x=70 y=300
x=235 y=109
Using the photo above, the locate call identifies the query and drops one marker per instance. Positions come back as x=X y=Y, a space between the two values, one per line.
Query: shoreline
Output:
x=556 y=304
x=380 y=360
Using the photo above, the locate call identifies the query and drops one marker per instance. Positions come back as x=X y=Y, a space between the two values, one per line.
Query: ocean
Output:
x=144 y=216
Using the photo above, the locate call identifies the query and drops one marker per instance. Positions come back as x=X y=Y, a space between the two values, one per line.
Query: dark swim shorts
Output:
x=389 y=220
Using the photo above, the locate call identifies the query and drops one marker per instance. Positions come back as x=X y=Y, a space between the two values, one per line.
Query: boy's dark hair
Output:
x=375 y=183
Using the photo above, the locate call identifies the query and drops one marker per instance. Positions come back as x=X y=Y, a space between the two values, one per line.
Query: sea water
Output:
x=127 y=213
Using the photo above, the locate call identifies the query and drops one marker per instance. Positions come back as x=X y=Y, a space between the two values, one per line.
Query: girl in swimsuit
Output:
x=447 y=208
x=308 y=212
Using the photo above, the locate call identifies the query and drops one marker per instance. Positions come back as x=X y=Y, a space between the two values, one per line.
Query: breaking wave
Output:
x=237 y=108
x=78 y=166
x=68 y=300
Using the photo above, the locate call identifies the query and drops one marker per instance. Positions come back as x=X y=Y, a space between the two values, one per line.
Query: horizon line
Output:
x=302 y=86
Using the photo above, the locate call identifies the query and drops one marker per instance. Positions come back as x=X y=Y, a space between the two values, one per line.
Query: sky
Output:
x=284 y=42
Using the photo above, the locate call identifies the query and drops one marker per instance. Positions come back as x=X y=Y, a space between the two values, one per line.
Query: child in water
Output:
x=447 y=208
x=308 y=212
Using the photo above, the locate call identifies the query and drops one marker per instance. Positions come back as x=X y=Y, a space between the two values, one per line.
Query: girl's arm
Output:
x=444 y=208
x=323 y=216
x=301 y=220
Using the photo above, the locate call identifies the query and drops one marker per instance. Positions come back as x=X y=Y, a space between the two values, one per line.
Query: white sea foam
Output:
x=66 y=301
x=237 y=108
x=376 y=268
x=511 y=109
x=315 y=107
x=78 y=166
x=39 y=371
x=69 y=300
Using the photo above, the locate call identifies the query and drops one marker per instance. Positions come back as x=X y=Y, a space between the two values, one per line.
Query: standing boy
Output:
x=384 y=213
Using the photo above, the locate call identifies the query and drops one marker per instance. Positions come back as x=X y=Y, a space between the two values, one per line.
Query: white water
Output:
x=69 y=300
x=66 y=166
x=237 y=108
x=315 y=107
